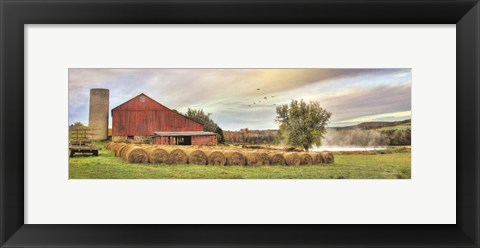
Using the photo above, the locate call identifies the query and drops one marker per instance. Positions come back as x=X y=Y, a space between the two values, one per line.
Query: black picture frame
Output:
x=15 y=13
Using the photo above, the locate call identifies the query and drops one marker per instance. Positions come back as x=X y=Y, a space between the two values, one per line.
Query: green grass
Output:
x=398 y=127
x=107 y=166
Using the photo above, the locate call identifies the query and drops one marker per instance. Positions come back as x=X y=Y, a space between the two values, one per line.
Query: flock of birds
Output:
x=265 y=98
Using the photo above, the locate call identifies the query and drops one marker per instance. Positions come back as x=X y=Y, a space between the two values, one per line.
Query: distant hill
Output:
x=269 y=136
x=383 y=125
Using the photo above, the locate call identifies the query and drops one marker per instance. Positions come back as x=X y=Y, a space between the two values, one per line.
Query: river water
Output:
x=345 y=148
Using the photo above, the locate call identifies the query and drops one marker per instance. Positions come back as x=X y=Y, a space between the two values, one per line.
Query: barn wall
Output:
x=136 y=103
x=142 y=118
x=135 y=139
x=162 y=141
x=119 y=138
x=147 y=122
x=196 y=140
x=204 y=140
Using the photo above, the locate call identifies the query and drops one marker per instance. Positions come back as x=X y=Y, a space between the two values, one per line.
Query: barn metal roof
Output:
x=193 y=133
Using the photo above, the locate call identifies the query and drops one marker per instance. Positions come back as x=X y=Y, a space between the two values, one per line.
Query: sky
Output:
x=247 y=98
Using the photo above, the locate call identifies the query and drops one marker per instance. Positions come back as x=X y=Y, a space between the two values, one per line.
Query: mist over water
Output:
x=353 y=137
x=344 y=148
x=352 y=140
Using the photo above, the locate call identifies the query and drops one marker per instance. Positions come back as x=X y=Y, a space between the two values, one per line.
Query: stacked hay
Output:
x=305 y=159
x=257 y=158
x=196 y=156
x=328 y=157
x=113 y=146
x=143 y=145
x=292 y=158
x=118 y=148
x=135 y=154
x=108 y=145
x=203 y=155
x=157 y=155
x=216 y=157
x=123 y=150
x=234 y=158
x=276 y=159
x=176 y=156
x=317 y=157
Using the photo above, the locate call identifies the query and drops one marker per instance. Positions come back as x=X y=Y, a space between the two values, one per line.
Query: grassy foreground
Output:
x=358 y=166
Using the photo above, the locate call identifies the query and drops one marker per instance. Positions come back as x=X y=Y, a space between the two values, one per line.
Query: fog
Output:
x=344 y=148
x=353 y=138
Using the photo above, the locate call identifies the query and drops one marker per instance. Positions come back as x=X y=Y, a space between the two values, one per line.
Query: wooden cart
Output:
x=81 y=143
x=93 y=150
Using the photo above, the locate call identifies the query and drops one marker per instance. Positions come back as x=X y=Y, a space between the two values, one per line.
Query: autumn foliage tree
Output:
x=302 y=124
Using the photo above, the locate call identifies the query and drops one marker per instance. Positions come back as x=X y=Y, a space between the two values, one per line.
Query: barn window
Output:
x=142 y=98
x=129 y=137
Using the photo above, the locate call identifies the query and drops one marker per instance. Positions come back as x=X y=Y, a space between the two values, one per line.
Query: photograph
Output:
x=239 y=123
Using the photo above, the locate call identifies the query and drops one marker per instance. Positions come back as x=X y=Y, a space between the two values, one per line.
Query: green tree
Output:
x=208 y=124
x=219 y=132
x=302 y=124
x=78 y=125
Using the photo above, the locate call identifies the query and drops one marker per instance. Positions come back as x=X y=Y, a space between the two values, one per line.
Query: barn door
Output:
x=184 y=140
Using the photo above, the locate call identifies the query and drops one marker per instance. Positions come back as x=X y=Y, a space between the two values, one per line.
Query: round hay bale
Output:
x=257 y=158
x=196 y=156
x=119 y=144
x=176 y=156
x=136 y=155
x=113 y=147
x=292 y=158
x=143 y=145
x=157 y=155
x=216 y=158
x=234 y=158
x=123 y=150
x=328 y=157
x=306 y=159
x=108 y=145
x=276 y=159
x=118 y=149
x=317 y=157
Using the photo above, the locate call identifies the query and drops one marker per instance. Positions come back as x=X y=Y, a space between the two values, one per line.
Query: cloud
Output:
x=401 y=74
x=247 y=97
x=380 y=117
x=374 y=100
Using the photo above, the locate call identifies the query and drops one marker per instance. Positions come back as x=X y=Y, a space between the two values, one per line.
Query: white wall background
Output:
x=429 y=197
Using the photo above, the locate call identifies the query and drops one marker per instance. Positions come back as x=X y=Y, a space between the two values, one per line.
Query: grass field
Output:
x=107 y=166
x=398 y=127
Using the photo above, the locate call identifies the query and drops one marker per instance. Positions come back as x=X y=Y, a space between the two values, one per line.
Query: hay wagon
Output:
x=81 y=143
x=93 y=150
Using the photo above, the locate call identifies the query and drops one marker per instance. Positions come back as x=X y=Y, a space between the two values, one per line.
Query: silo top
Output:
x=99 y=89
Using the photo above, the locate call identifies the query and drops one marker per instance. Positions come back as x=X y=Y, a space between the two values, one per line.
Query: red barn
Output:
x=143 y=120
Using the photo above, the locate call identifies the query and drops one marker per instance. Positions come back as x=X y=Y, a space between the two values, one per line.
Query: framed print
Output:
x=355 y=161
x=175 y=114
